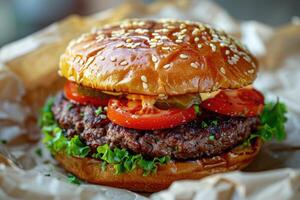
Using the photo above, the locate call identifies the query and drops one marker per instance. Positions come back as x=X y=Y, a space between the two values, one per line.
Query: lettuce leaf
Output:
x=73 y=179
x=273 y=119
x=123 y=161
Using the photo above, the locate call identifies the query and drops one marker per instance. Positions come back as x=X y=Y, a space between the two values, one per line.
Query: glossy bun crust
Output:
x=90 y=170
x=150 y=57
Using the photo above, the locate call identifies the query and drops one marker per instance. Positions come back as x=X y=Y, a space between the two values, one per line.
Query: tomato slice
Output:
x=72 y=93
x=239 y=102
x=131 y=114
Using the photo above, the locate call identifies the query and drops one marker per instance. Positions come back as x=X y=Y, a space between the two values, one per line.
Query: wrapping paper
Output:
x=28 y=75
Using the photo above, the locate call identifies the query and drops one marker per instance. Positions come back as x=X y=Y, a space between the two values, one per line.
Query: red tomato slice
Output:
x=238 y=102
x=71 y=92
x=131 y=114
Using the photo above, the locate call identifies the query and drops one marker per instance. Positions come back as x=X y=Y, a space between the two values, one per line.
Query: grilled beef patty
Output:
x=191 y=140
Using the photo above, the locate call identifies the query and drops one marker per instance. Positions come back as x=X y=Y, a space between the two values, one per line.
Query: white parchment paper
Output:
x=28 y=75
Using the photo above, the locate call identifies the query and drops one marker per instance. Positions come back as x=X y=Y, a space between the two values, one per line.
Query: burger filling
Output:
x=131 y=131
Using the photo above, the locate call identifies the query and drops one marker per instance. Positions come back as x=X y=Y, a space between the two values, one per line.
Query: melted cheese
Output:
x=208 y=95
x=147 y=101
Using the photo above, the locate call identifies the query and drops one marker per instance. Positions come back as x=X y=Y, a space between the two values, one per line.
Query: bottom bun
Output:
x=89 y=169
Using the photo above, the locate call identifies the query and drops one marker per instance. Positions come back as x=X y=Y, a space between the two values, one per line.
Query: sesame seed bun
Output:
x=90 y=169
x=151 y=57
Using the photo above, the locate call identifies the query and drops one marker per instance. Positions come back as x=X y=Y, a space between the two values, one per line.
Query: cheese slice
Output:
x=147 y=101
x=208 y=95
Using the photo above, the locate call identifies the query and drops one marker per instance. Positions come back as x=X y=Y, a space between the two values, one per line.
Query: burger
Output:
x=149 y=102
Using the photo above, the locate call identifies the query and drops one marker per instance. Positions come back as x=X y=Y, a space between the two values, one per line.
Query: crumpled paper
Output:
x=277 y=184
x=28 y=75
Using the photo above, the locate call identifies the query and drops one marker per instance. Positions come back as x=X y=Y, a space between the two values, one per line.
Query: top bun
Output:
x=158 y=57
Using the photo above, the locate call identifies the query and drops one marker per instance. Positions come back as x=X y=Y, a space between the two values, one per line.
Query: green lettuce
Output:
x=272 y=119
x=73 y=179
x=122 y=160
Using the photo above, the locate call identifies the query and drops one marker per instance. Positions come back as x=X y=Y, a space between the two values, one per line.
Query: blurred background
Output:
x=20 y=18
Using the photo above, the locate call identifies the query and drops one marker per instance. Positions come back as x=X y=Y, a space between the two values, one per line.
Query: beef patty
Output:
x=191 y=140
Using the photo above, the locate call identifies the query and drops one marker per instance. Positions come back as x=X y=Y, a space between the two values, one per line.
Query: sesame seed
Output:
x=128 y=40
x=157 y=37
x=194 y=65
x=223 y=37
x=222 y=44
x=123 y=63
x=178 y=41
x=165 y=48
x=201 y=27
x=162 y=95
x=222 y=70
x=227 y=52
x=154 y=59
x=236 y=56
x=101 y=57
x=234 y=59
x=160 y=43
x=164 y=37
x=196 y=39
x=195 y=31
x=100 y=38
x=167 y=66
x=145 y=85
x=213 y=47
x=113 y=59
x=144 y=78
x=141 y=23
x=183 y=31
x=251 y=71
x=180 y=37
x=183 y=56
x=215 y=40
x=182 y=26
x=247 y=58
x=199 y=46
x=214 y=35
